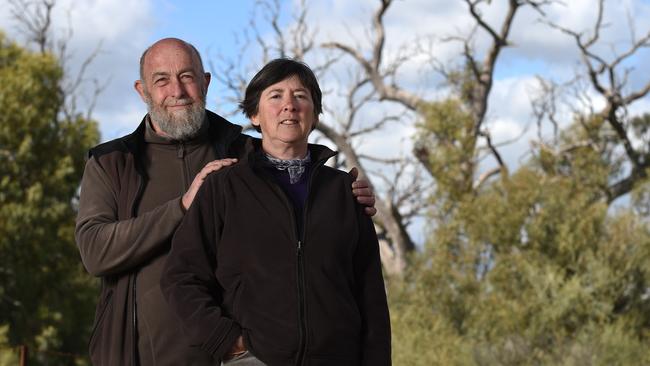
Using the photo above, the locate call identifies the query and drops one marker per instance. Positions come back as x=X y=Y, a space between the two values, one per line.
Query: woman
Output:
x=302 y=286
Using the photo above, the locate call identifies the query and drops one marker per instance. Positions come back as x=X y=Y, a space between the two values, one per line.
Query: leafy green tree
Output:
x=535 y=268
x=46 y=299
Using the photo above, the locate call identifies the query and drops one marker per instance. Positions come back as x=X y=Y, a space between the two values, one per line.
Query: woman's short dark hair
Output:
x=273 y=72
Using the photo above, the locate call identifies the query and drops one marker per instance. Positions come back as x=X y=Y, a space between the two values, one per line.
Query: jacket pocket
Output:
x=103 y=309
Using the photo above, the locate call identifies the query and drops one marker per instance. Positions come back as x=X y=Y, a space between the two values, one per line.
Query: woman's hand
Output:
x=237 y=349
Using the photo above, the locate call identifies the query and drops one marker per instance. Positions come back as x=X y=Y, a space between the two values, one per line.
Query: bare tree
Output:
x=392 y=219
x=481 y=72
x=34 y=21
x=381 y=74
x=373 y=66
x=609 y=77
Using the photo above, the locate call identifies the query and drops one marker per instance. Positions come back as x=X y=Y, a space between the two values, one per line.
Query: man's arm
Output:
x=108 y=245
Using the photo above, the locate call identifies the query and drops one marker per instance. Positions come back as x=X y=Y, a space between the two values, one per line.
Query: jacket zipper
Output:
x=300 y=269
x=302 y=330
x=300 y=272
x=180 y=151
x=187 y=179
x=302 y=340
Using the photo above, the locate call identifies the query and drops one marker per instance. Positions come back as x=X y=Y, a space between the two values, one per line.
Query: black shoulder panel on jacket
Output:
x=133 y=142
x=108 y=147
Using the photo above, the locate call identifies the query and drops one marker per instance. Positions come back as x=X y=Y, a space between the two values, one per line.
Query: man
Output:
x=134 y=193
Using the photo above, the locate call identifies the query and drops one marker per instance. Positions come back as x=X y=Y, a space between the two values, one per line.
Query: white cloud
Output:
x=512 y=97
x=505 y=129
x=121 y=22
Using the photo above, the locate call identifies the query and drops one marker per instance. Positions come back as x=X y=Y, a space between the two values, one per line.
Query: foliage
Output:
x=448 y=130
x=46 y=299
x=537 y=268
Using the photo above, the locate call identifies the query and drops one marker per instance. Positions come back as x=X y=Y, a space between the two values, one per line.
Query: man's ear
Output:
x=139 y=87
x=207 y=78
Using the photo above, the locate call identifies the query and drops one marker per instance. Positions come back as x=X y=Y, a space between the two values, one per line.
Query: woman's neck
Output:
x=286 y=152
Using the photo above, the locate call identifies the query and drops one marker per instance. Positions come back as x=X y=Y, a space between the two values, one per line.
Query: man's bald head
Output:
x=196 y=57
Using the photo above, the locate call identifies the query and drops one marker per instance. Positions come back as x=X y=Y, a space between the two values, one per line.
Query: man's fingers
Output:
x=365 y=191
x=357 y=184
x=370 y=211
x=366 y=200
x=361 y=183
x=214 y=166
x=220 y=162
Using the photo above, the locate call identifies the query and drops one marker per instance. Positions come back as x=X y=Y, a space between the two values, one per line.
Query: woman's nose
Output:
x=290 y=104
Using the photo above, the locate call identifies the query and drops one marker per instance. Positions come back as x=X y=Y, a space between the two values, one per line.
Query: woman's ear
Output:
x=255 y=121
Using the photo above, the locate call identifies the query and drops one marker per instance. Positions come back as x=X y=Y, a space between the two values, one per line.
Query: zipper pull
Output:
x=180 y=151
x=299 y=247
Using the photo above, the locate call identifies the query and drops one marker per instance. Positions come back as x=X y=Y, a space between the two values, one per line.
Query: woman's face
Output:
x=285 y=113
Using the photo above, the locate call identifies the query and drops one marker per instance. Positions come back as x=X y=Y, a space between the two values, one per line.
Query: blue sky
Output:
x=207 y=24
x=211 y=26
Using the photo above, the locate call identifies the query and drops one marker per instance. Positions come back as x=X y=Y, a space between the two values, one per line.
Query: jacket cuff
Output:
x=178 y=210
x=221 y=347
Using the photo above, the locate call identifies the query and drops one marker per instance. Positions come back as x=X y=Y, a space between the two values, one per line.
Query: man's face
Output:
x=174 y=88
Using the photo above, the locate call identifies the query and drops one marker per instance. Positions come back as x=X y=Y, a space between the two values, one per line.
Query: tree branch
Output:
x=372 y=67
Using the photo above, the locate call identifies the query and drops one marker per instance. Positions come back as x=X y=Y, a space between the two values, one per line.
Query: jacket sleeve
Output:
x=188 y=281
x=371 y=296
x=110 y=246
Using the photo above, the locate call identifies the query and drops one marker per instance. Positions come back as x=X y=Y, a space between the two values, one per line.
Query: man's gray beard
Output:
x=180 y=125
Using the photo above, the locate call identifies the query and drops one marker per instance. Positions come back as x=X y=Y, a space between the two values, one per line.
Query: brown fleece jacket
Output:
x=128 y=211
